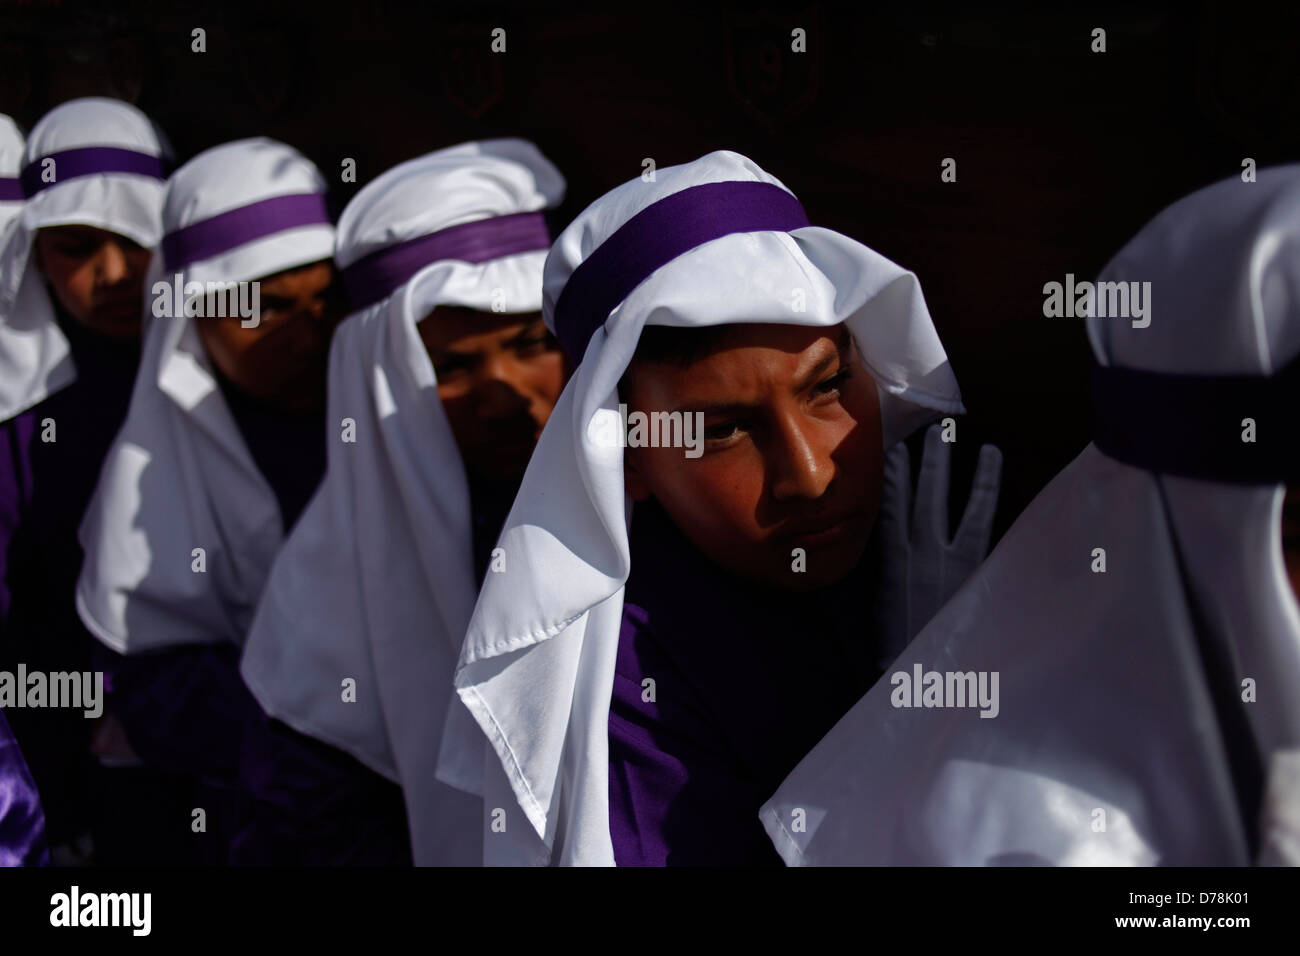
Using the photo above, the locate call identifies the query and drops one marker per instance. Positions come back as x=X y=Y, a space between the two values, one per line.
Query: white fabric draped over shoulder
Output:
x=179 y=475
x=12 y=147
x=537 y=666
x=1108 y=746
x=124 y=196
x=376 y=583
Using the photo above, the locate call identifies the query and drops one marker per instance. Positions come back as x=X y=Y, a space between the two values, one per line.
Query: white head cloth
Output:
x=376 y=583
x=179 y=476
x=537 y=666
x=12 y=147
x=34 y=358
x=1105 y=710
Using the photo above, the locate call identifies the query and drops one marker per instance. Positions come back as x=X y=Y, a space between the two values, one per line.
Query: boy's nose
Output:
x=801 y=468
x=496 y=394
x=113 y=267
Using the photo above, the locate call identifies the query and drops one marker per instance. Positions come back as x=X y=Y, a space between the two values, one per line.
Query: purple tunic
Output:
x=186 y=709
x=746 y=681
x=44 y=489
x=305 y=803
x=22 y=824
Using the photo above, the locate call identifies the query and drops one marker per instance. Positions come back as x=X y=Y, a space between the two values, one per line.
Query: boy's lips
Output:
x=823 y=531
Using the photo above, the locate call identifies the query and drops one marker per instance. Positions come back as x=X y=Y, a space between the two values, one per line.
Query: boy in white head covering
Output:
x=441 y=382
x=221 y=449
x=642 y=690
x=73 y=263
x=1138 y=615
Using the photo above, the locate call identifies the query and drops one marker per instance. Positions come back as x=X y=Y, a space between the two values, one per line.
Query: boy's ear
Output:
x=633 y=482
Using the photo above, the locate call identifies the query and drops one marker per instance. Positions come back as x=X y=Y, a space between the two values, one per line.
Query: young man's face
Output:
x=792 y=452
x=499 y=377
x=283 y=359
x=97 y=277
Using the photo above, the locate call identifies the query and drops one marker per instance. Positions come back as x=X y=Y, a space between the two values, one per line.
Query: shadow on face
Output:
x=499 y=377
x=96 y=276
x=283 y=359
x=792 y=455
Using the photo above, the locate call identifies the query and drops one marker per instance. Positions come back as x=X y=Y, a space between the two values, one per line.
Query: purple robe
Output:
x=746 y=681
x=44 y=489
x=22 y=824
x=186 y=709
x=305 y=803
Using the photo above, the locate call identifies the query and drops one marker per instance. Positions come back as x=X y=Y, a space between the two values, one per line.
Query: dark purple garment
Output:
x=22 y=824
x=305 y=803
x=747 y=680
x=288 y=448
x=186 y=709
x=44 y=489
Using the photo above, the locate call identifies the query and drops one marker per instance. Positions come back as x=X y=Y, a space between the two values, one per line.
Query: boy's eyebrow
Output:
x=843 y=343
x=714 y=408
x=527 y=331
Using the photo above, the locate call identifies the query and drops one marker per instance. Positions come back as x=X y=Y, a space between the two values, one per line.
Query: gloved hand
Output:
x=920 y=569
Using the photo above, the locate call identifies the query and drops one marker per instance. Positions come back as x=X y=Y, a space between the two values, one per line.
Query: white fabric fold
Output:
x=536 y=669
x=1104 y=692
x=12 y=146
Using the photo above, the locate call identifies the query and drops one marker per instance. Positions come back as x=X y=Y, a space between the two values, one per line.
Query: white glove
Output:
x=920 y=569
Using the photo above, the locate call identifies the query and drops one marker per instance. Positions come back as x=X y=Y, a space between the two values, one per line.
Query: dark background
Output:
x=1062 y=154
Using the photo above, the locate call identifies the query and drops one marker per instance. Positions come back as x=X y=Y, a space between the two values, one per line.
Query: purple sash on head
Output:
x=654 y=237
x=377 y=275
x=89 y=161
x=11 y=190
x=1190 y=425
x=224 y=231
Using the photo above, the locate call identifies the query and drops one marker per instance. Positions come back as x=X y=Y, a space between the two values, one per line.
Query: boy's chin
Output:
x=821 y=568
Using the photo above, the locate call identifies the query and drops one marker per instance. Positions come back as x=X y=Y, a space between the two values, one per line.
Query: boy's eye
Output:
x=445 y=368
x=274 y=306
x=833 y=384
x=533 y=344
x=75 y=247
x=722 y=431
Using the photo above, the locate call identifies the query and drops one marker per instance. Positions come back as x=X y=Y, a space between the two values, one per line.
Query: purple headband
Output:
x=376 y=276
x=654 y=237
x=11 y=190
x=217 y=234
x=88 y=161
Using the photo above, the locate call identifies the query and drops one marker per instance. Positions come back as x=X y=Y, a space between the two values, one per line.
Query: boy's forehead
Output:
x=740 y=359
x=457 y=324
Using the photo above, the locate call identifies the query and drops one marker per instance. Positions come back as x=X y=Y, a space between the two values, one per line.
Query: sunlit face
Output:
x=284 y=359
x=499 y=377
x=792 y=453
x=97 y=277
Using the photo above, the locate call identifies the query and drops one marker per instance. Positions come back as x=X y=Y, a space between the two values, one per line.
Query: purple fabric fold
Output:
x=224 y=231
x=379 y=274
x=11 y=189
x=90 y=161
x=22 y=823
x=654 y=237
